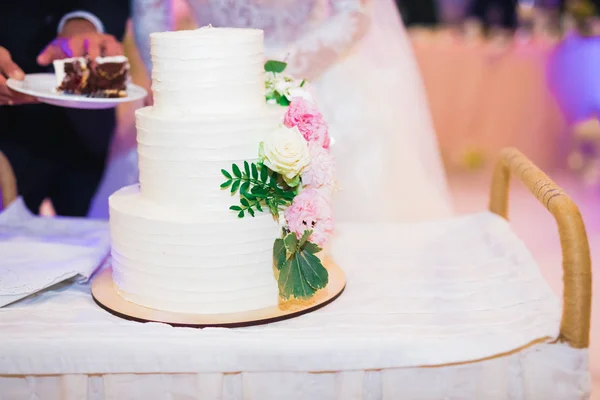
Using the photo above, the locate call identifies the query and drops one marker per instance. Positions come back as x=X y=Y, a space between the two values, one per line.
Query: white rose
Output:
x=285 y=151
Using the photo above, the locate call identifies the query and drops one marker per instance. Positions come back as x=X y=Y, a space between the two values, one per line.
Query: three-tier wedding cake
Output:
x=177 y=245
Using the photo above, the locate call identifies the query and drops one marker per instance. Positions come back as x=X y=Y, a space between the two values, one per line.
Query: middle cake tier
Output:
x=180 y=159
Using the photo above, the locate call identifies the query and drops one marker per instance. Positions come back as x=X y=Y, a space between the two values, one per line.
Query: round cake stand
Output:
x=105 y=295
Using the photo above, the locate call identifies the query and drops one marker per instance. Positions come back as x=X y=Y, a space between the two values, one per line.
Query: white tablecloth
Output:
x=423 y=294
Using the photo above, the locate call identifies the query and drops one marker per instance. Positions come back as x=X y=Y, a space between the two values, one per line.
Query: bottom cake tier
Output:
x=172 y=259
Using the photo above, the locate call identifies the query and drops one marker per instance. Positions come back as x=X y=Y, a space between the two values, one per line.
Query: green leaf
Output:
x=273 y=180
x=311 y=248
x=303 y=82
x=264 y=173
x=304 y=238
x=291 y=244
x=226 y=174
x=226 y=184
x=235 y=208
x=235 y=186
x=247 y=168
x=258 y=206
x=283 y=101
x=236 y=170
x=301 y=276
x=254 y=171
x=250 y=211
x=244 y=189
x=241 y=214
x=275 y=66
x=258 y=191
x=279 y=253
x=288 y=195
x=244 y=202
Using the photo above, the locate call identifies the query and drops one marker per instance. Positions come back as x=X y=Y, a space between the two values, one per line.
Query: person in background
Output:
x=56 y=153
x=496 y=13
x=418 y=12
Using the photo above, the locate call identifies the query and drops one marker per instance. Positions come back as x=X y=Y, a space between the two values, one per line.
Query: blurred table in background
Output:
x=486 y=94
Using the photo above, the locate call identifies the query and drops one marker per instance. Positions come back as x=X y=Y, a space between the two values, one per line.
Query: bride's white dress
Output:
x=366 y=82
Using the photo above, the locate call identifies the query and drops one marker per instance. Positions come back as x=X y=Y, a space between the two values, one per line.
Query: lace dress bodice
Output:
x=282 y=21
x=309 y=34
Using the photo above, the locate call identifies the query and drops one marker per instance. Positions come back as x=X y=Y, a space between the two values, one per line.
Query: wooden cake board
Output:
x=104 y=293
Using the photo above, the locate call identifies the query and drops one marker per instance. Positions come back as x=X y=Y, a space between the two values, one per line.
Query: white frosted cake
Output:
x=235 y=175
x=175 y=244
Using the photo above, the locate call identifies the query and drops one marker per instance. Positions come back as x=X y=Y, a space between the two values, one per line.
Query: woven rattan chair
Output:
x=576 y=263
x=8 y=183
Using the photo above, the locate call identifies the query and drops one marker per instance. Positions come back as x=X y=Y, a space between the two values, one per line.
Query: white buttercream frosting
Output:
x=176 y=246
x=208 y=70
x=180 y=160
x=176 y=259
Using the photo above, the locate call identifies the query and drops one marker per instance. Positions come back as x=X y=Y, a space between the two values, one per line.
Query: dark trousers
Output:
x=52 y=159
x=418 y=12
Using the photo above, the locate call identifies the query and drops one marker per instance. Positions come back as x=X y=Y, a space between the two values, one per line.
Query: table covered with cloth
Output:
x=424 y=294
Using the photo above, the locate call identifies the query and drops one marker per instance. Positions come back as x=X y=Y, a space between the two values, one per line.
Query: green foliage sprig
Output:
x=258 y=187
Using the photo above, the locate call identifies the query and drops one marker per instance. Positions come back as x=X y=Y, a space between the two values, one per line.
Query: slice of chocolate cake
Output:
x=105 y=77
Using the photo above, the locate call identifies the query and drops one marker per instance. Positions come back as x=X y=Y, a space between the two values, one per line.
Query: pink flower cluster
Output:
x=310 y=211
x=304 y=115
x=320 y=173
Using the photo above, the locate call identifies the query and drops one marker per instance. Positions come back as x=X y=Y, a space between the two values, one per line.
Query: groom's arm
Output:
x=103 y=16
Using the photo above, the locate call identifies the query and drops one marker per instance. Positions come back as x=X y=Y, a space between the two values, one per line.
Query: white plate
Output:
x=43 y=87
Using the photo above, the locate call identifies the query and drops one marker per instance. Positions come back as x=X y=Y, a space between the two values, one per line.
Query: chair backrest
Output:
x=8 y=183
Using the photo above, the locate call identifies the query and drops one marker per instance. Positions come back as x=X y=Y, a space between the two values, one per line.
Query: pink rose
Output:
x=308 y=119
x=310 y=211
x=321 y=170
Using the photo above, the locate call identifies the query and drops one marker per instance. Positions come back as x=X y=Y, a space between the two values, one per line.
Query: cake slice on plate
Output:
x=104 y=77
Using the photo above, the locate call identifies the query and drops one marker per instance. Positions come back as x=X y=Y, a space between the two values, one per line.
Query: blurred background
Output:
x=497 y=73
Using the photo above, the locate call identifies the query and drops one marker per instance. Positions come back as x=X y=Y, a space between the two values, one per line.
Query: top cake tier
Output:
x=208 y=71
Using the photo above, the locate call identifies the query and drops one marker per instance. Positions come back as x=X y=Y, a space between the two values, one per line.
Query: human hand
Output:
x=92 y=44
x=8 y=69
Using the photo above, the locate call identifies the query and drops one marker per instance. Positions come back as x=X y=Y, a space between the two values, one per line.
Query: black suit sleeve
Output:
x=112 y=13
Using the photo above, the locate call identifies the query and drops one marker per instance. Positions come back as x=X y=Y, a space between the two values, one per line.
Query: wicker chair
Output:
x=8 y=183
x=577 y=273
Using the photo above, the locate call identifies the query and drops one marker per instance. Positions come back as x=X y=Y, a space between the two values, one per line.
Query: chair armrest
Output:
x=577 y=274
x=8 y=183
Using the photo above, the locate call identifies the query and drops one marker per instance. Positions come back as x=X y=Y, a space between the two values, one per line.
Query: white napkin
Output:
x=38 y=252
